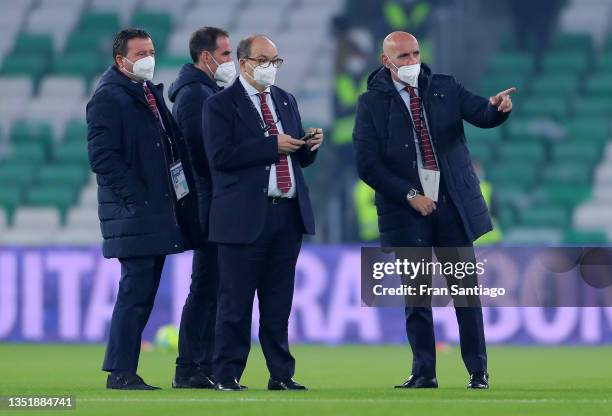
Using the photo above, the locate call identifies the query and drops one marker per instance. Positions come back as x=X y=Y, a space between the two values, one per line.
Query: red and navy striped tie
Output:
x=427 y=153
x=283 y=178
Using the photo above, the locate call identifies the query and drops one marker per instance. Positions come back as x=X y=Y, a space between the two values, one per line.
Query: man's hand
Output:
x=314 y=138
x=502 y=100
x=422 y=204
x=287 y=144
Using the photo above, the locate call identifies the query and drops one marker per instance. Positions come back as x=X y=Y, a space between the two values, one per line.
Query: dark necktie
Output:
x=427 y=153
x=283 y=178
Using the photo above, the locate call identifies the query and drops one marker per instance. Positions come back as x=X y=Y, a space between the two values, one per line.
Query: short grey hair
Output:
x=244 y=46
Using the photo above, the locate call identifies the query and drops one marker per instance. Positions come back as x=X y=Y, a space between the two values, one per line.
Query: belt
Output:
x=276 y=200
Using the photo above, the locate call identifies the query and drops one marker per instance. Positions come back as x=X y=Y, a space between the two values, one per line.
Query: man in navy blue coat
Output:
x=136 y=151
x=410 y=121
x=211 y=54
x=256 y=148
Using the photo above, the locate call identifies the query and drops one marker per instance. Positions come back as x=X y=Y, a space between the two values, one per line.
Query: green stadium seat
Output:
x=33 y=152
x=83 y=42
x=32 y=131
x=594 y=129
x=604 y=63
x=600 y=86
x=171 y=61
x=506 y=217
x=76 y=130
x=16 y=173
x=530 y=235
x=86 y=64
x=519 y=174
x=25 y=64
x=572 y=42
x=72 y=151
x=563 y=194
x=521 y=129
x=494 y=83
x=482 y=153
x=555 y=86
x=34 y=44
x=72 y=174
x=475 y=135
x=509 y=195
x=11 y=196
x=100 y=23
x=584 y=238
x=566 y=62
x=546 y=107
x=158 y=24
x=522 y=151
x=61 y=197
x=568 y=173
x=544 y=215
x=511 y=62
x=576 y=151
x=593 y=107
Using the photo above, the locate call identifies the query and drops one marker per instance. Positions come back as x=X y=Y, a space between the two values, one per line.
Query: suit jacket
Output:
x=383 y=140
x=240 y=156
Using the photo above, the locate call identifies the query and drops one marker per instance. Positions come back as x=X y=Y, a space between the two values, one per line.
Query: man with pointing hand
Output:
x=411 y=149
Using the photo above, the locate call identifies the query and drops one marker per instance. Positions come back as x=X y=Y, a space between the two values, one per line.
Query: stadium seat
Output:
x=584 y=238
x=85 y=64
x=521 y=174
x=545 y=106
x=32 y=65
x=572 y=42
x=566 y=62
x=72 y=151
x=522 y=151
x=588 y=130
x=533 y=236
x=593 y=106
x=58 y=197
x=511 y=62
x=34 y=44
x=568 y=173
x=33 y=152
x=76 y=130
x=559 y=86
x=11 y=196
x=575 y=150
x=600 y=86
x=544 y=215
x=17 y=172
x=32 y=132
x=69 y=174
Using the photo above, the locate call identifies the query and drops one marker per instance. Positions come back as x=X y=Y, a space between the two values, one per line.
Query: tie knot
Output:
x=411 y=91
x=262 y=96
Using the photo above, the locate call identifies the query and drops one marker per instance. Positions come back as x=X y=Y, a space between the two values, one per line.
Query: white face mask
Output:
x=225 y=72
x=143 y=68
x=264 y=76
x=408 y=73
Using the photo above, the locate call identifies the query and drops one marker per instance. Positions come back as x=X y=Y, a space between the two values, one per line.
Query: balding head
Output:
x=253 y=50
x=399 y=49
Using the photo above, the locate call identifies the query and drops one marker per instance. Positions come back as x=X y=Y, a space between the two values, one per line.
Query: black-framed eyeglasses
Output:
x=264 y=63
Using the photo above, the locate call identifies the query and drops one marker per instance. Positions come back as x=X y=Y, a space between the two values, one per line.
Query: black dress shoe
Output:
x=289 y=384
x=419 y=382
x=479 y=380
x=230 y=386
x=197 y=379
x=126 y=381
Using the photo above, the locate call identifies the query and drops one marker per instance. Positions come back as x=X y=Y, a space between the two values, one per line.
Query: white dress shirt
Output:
x=272 y=185
x=401 y=88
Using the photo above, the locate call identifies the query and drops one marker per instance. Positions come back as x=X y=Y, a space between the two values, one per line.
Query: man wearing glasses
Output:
x=257 y=147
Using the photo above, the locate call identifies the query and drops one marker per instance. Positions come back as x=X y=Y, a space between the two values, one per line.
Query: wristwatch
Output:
x=412 y=193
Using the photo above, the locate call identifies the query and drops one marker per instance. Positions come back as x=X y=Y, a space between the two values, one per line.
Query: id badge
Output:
x=430 y=182
x=178 y=180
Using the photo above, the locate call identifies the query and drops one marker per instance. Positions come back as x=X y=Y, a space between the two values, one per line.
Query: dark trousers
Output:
x=442 y=228
x=137 y=289
x=267 y=267
x=197 y=329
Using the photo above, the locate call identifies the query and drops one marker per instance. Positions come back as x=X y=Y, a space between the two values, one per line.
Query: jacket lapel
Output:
x=285 y=113
x=245 y=109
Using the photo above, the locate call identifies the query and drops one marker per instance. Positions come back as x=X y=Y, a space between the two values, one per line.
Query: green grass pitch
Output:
x=343 y=380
